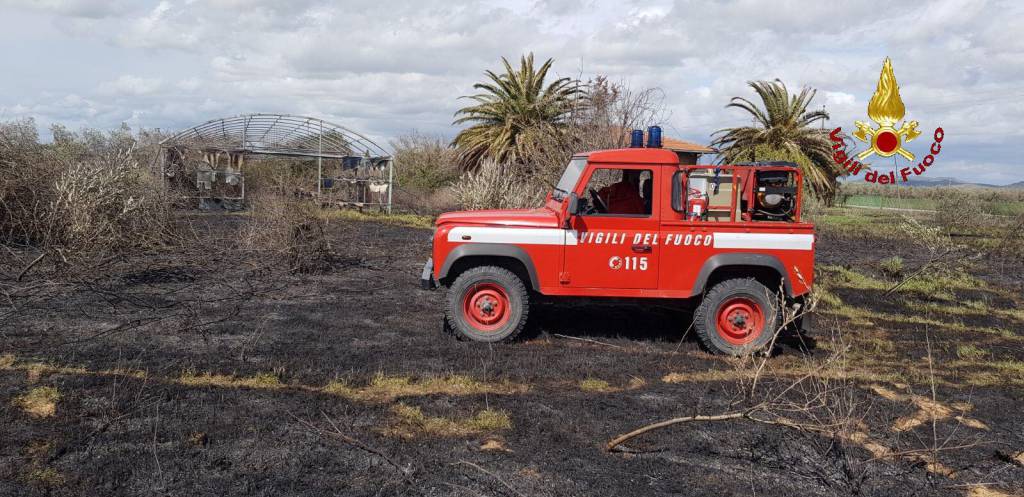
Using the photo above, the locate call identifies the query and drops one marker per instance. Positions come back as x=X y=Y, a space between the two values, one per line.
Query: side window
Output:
x=618 y=191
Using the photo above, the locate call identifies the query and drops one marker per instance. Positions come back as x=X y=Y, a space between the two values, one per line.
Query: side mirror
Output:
x=572 y=207
x=573 y=204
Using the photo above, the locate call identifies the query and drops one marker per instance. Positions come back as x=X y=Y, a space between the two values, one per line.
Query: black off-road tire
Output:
x=749 y=290
x=518 y=304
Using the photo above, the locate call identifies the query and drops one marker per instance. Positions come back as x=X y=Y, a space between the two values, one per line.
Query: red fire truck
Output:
x=635 y=223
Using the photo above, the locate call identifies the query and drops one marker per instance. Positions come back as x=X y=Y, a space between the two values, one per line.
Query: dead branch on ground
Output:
x=557 y=335
x=492 y=475
x=770 y=408
x=336 y=433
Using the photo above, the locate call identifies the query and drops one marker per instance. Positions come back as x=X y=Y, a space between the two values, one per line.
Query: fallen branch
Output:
x=492 y=475
x=748 y=413
x=337 y=433
x=31 y=265
x=619 y=440
x=586 y=340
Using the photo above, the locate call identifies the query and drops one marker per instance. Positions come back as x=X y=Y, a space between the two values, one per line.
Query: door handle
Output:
x=642 y=249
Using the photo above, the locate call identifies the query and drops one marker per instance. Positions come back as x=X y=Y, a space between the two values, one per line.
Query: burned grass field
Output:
x=221 y=370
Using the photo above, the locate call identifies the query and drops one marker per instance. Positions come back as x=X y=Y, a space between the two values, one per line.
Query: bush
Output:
x=288 y=230
x=892 y=266
x=497 y=186
x=24 y=177
x=424 y=164
x=602 y=121
x=83 y=195
x=106 y=205
x=957 y=210
x=970 y=352
x=432 y=203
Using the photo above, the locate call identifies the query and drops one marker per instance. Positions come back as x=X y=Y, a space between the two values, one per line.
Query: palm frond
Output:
x=512 y=110
x=782 y=126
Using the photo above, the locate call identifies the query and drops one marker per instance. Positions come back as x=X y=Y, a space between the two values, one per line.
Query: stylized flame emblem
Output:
x=886 y=108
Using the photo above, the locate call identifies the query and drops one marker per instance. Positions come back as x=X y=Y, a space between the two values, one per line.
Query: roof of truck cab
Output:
x=660 y=156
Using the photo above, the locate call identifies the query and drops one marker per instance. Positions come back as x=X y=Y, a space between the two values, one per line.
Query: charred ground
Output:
x=212 y=371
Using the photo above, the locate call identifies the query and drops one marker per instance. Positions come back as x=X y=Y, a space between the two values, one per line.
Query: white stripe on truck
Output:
x=522 y=236
x=557 y=236
x=770 y=241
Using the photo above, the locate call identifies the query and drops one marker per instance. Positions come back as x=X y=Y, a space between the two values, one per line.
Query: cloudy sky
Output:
x=386 y=67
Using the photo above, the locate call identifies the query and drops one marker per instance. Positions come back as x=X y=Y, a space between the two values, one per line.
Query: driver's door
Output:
x=614 y=249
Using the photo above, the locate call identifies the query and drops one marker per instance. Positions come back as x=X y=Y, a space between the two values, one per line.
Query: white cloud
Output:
x=93 y=9
x=131 y=85
x=165 y=26
x=839 y=98
x=189 y=84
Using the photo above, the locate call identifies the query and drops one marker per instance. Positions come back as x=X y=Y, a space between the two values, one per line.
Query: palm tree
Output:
x=512 y=111
x=783 y=129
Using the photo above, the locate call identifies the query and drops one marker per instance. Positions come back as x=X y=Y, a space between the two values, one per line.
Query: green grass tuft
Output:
x=970 y=352
x=40 y=402
x=595 y=385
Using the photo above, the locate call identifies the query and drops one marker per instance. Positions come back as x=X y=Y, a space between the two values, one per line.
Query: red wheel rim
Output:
x=740 y=320
x=486 y=307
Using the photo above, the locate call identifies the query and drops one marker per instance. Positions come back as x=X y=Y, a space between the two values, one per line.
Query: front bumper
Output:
x=427 y=277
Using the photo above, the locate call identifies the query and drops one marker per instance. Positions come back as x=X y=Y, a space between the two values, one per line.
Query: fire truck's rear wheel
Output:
x=737 y=317
x=487 y=304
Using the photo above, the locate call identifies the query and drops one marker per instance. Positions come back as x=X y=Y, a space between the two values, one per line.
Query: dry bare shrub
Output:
x=945 y=258
x=425 y=169
x=290 y=230
x=497 y=186
x=957 y=210
x=276 y=175
x=106 y=205
x=933 y=240
x=83 y=196
x=24 y=175
x=425 y=203
x=423 y=163
x=602 y=121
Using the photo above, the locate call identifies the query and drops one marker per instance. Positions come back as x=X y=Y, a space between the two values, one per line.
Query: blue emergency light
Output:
x=654 y=137
x=636 y=138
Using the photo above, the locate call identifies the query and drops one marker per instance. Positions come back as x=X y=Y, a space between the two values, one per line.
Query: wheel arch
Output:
x=510 y=257
x=765 y=268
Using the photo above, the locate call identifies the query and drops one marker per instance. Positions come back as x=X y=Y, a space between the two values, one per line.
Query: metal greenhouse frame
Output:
x=366 y=172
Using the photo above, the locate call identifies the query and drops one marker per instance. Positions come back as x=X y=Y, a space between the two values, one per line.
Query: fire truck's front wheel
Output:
x=487 y=304
x=737 y=317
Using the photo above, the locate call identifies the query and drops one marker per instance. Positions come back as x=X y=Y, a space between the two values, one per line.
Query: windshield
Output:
x=569 y=178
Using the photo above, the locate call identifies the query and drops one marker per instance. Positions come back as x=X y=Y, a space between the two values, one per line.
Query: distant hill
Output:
x=949 y=181
x=943 y=181
x=925 y=182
